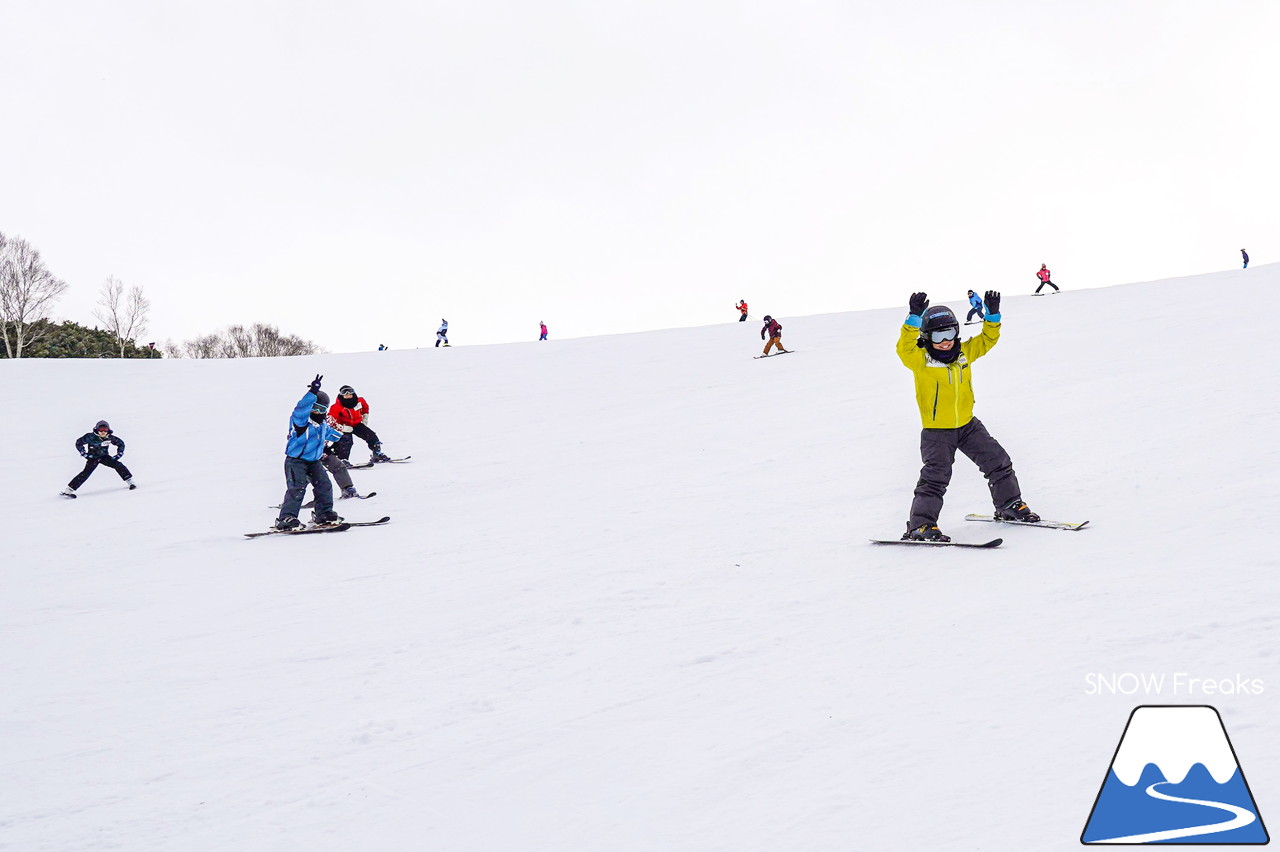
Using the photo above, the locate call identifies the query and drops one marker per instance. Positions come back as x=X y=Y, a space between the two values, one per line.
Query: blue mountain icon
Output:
x=1174 y=779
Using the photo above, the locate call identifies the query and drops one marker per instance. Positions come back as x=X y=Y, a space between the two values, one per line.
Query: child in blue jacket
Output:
x=976 y=302
x=308 y=432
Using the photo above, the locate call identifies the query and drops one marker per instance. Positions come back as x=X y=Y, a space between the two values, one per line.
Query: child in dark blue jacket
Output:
x=308 y=432
x=95 y=446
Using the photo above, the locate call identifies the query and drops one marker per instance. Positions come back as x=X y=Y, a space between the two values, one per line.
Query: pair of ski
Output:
x=321 y=528
x=311 y=504
x=368 y=465
x=995 y=542
x=771 y=354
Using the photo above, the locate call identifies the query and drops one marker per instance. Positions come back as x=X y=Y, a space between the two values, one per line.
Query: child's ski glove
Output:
x=919 y=301
x=314 y=387
x=992 y=300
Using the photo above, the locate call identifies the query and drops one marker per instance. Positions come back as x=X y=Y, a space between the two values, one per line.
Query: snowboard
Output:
x=343 y=527
x=995 y=542
x=771 y=354
x=1049 y=525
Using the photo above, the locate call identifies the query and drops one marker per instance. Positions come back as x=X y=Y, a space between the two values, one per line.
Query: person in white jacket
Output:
x=442 y=333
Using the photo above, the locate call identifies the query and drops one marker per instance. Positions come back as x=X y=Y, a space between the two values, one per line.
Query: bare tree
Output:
x=123 y=316
x=27 y=293
x=257 y=341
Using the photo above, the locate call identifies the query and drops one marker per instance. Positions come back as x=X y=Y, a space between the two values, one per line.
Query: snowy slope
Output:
x=627 y=601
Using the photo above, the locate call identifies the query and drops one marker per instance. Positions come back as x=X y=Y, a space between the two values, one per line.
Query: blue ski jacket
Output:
x=976 y=301
x=307 y=437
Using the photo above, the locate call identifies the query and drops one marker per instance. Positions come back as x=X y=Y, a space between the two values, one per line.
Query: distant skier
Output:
x=774 y=329
x=1043 y=275
x=1245 y=255
x=929 y=346
x=308 y=432
x=976 y=302
x=543 y=326
x=742 y=306
x=350 y=414
x=95 y=447
x=442 y=333
x=382 y=348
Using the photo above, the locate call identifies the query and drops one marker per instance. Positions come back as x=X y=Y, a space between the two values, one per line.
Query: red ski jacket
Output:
x=1043 y=274
x=352 y=417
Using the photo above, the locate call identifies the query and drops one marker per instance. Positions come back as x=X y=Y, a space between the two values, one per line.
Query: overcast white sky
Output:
x=355 y=172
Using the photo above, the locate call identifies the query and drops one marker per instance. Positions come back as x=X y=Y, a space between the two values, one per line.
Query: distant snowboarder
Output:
x=543 y=326
x=774 y=329
x=742 y=306
x=350 y=414
x=95 y=447
x=308 y=432
x=442 y=333
x=382 y=348
x=976 y=302
x=1044 y=275
x=929 y=346
x=1245 y=255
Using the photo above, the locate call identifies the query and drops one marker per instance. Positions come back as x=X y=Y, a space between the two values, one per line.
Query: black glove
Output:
x=919 y=301
x=84 y=455
x=992 y=301
x=314 y=387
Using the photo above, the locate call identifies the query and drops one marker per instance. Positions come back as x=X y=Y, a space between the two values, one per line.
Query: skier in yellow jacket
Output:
x=929 y=346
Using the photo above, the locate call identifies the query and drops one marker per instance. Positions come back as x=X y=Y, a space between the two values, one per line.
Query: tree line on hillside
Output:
x=29 y=290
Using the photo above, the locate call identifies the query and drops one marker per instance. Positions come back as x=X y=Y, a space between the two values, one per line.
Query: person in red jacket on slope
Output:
x=350 y=414
x=1043 y=275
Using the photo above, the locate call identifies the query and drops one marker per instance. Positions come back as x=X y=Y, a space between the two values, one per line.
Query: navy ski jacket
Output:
x=91 y=446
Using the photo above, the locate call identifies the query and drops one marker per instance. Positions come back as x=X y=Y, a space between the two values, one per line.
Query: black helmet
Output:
x=321 y=405
x=346 y=389
x=939 y=318
x=102 y=424
x=768 y=318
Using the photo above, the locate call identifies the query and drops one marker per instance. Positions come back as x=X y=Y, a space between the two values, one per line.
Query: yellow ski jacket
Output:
x=944 y=392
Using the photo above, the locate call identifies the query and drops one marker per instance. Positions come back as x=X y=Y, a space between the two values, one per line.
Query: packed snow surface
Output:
x=627 y=600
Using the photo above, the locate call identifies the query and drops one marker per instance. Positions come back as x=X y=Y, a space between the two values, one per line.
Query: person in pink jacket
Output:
x=1043 y=275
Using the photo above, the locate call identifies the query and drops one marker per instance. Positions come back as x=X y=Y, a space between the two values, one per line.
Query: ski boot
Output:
x=129 y=482
x=346 y=463
x=1017 y=511
x=377 y=455
x=925 y=532
x=289 y=522
x=325 y=519
x=68 y=491
x=348 y=492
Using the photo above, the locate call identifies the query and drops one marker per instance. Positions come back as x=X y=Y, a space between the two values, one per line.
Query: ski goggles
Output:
x=942 y=334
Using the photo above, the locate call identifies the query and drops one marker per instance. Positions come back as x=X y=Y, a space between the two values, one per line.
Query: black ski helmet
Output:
x=321 y=405
x=346 y=389
x=937 y=318
x=102 y=424
x=768 y=318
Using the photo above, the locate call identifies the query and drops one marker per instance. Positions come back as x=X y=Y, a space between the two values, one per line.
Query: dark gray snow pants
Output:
x=297 y=475
x=938 y=451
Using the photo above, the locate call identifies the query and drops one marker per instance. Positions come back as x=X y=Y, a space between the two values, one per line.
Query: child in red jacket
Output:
x=350 y=414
